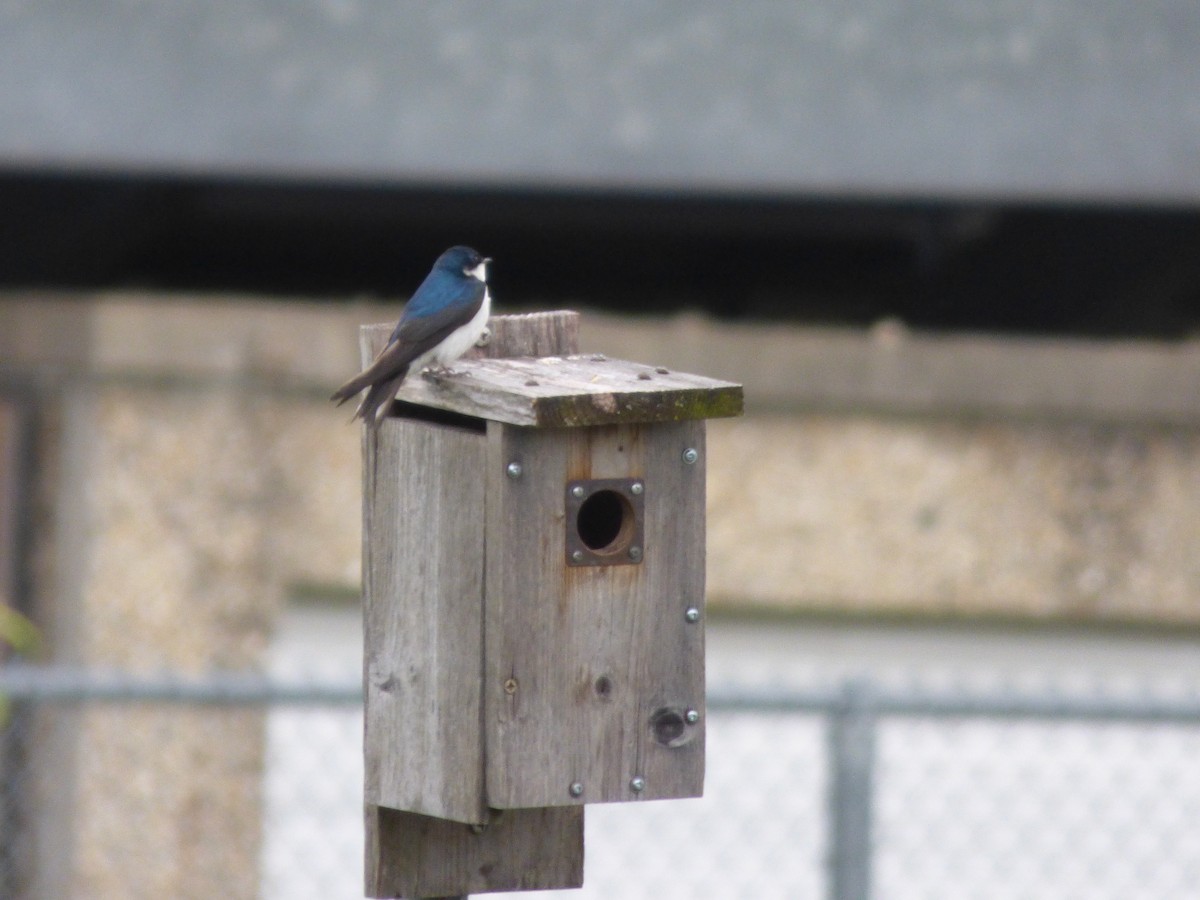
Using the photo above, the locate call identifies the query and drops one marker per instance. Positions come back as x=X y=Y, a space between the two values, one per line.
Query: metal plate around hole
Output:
x=617 y=554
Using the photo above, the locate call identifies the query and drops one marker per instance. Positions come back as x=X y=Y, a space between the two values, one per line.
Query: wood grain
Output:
x=572 y=390
x=423 y=546
x=423 y=620
x=581 y=660
x=553 y=333
x=410 y=855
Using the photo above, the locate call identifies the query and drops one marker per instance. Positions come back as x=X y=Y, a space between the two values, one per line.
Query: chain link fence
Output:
x=850 y=790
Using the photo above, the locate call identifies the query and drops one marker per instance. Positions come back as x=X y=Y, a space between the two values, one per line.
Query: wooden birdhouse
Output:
x=534 y=590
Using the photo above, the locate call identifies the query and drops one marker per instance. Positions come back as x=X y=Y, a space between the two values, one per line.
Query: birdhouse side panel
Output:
x=423 y=588
x=671 y=715
x=595 y=552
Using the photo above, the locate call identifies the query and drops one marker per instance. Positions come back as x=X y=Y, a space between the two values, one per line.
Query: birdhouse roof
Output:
x=576 y=390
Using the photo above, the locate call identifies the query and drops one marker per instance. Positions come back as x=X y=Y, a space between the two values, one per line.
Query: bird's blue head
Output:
x=463 y=262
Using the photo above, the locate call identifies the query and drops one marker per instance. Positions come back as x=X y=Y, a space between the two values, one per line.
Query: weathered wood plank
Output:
x=423 y=620
x=407 y=853
x=671 y=667
x=423 y=595
x=410 y=855
x=581 y=659
x=553 y=333
x=574 y=391
x=571 y=390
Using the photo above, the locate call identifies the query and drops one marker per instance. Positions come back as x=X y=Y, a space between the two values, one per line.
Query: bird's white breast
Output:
x=461 y=339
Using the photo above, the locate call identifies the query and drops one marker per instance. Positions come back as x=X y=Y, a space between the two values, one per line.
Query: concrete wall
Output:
x=194 y=474
x=189 y=483
x=874 y=471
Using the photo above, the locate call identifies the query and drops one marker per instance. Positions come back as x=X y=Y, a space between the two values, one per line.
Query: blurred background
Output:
x=951 y=249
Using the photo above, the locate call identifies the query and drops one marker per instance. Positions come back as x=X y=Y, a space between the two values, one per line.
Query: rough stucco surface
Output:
x=217 y=476
x=858 y=513
x=199 y=506
x=174 y=497
x=175 y=576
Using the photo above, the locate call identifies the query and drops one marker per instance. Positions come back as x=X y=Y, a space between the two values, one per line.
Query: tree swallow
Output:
x=442 y=321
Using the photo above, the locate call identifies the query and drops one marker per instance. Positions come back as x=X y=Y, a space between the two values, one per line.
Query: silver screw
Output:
x=576 y=789
x=636 y=488
x=577 y=492
x=514 y=470
x=690 y=455
x=637 y=784
x=635 y=553
x=577 y=556
x=692 y=716
x=692 y=614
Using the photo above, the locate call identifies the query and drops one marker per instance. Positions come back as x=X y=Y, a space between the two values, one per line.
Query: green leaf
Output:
x=17 y=631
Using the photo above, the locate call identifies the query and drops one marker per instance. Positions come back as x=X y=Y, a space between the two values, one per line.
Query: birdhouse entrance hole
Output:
x=604 y=522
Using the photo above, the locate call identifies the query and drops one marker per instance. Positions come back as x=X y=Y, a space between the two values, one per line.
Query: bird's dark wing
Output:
x=392 y=362
x=379 y=400
x=437 y=308
x=428 y=318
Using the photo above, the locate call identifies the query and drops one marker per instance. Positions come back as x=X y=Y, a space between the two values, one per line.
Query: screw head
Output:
x=690 y=455
x=637 y=784
x=577 y=556
x=692 y=614
x=636 y=488
x=691 y=716
x=576 y=789
x=513 y=469
x=577 y=492
x=635 y=553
